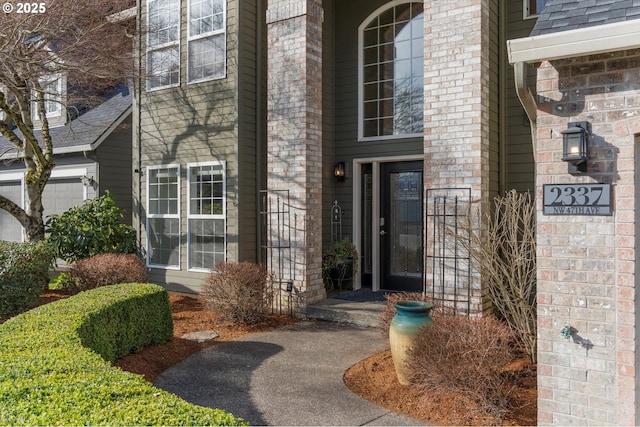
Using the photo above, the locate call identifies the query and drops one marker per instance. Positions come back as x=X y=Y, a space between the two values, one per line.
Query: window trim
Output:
x=59 y=96
x=526 y=10
x=191 y=38
x=3 y=115
x=57 y=117
x=149 y=216
x=160 y=47
x=361 y=27
x=190 y=216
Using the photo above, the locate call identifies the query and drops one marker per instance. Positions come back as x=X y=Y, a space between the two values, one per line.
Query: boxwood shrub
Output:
x=55 y=363
x=24 y=274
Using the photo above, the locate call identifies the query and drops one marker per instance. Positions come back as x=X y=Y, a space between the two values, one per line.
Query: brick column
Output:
x=294 y=134
x=587 y=265
x=456 y=140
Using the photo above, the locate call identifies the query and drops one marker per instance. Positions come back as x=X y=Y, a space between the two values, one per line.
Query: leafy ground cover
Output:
x=373 y=378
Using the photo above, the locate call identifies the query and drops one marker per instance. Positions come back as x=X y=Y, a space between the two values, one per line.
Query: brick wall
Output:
x=456 y=141
x=294 y=134
x=586 y=264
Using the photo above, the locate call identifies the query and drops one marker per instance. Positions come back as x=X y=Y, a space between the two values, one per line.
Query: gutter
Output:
x=614 y=37
x=584 y=41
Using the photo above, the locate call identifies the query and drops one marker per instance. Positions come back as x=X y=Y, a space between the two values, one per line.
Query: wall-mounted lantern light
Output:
x=86 y=181
x=574 y=146
x=339 y=171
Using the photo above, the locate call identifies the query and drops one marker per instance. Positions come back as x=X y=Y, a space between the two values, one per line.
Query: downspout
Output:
x=260 y=149
x=138 y=81
x=502 y=94
x=527 y=100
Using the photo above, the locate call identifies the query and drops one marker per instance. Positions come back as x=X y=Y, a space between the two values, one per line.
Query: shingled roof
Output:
x=565 y=15
x=88 y=129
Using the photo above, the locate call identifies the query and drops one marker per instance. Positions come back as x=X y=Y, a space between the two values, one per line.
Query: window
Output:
x=206 y=40
x=3 y=90
x=163 y=216
x=52 y=92
x=206 y=215
x=533 y=8
x=392 y=72
x=163 y=43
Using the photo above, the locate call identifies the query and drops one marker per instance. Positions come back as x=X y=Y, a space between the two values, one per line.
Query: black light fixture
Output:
x=86 y=181
x=339 y=171
x=574 y=146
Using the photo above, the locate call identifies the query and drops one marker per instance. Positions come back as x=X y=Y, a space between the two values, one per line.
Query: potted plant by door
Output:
x=339 y=264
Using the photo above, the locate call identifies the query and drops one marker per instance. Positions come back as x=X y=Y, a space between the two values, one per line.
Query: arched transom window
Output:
x=392 y=72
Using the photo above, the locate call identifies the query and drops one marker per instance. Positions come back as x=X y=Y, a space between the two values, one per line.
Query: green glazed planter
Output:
x=410 y=317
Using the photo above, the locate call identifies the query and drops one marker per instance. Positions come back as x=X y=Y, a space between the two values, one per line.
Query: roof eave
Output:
x=612 y=37
x=84 y=147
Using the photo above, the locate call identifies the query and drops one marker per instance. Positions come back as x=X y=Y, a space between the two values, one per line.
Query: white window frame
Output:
x=363 y=25
x=58 y=97
x=190 y=215
x=526 y=12
x=3 y=115
x=151 y=216
x=174 y=44
x=210 y=34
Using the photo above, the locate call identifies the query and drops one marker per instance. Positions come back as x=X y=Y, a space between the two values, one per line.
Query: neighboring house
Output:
x=585 y=56
x=92 y=153
x=250 y=106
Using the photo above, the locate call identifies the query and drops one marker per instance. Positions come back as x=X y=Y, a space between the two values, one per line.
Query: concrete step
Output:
x=363 y=314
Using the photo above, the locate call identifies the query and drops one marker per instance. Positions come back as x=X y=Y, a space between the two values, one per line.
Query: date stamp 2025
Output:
x=24 y=7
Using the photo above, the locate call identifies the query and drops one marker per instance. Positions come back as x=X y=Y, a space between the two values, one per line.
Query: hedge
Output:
x=24 y=273
x=55 y=363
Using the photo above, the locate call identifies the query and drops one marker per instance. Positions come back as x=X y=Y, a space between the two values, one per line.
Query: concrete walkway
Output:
x=289 y=376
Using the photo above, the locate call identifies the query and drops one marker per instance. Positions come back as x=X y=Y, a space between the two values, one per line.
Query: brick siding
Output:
x=586 y=264
x=456 y=141
x=294 y=132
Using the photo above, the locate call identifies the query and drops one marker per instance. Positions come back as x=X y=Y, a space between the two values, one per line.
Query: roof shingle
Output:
x=565 y=15
x=87 y=128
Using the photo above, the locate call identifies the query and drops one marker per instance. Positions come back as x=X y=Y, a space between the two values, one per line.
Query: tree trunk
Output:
x=33 y=223
x=36 y=178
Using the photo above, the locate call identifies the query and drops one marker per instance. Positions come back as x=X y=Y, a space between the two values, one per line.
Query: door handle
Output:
x=383 y=233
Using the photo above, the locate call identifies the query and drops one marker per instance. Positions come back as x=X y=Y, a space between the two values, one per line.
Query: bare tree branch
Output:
x=69 y=38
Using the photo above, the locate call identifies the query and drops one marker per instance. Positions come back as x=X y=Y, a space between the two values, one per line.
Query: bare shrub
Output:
x=506 y=256
x=238 y=291
x=466 y=356
x=390 y=311
x=106 y=269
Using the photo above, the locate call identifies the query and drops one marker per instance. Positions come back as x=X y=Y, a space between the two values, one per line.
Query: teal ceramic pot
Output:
x=410 y=317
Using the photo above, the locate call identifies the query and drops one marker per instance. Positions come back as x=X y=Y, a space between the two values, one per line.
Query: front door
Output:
x=401 y=225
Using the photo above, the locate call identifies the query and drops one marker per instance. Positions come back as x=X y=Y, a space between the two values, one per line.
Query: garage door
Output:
x=10 y=228
x=61 y=194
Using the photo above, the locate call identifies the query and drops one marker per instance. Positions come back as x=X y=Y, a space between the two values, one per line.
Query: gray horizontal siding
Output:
x=114 y=157
x=198 y=122
x=520 y=165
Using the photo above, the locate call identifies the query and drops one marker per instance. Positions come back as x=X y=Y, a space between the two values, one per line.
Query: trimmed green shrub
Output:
x=238 y=291
x=55 y=363
x=24 y=275
x=102 y=270
x=90 y=229
x=64 y=281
